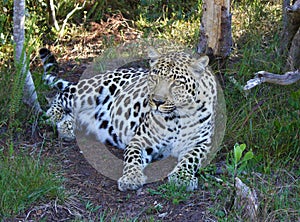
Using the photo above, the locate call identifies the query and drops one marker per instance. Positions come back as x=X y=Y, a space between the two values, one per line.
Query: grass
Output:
x=171 y=192
x=280 y=193
x=24 y=181
x=266 y=118
x=172 y=29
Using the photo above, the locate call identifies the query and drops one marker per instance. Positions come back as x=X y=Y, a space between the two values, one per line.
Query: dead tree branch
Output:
x=263 y=76
x=77 y=7
x=52 y=16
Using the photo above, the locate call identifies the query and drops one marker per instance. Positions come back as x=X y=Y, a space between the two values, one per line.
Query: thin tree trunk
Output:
x=30 y=96
x=290 y=45
x=18 y=29
x=293 y=60
x=215 y=29
x=51 y=14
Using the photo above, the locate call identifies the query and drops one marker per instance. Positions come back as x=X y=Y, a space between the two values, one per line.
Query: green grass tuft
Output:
x=172 y=192
x=25 y=180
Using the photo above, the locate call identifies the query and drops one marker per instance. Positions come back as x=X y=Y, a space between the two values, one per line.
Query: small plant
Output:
x=236 y=162
x=91 y=207
x=172 y=192
x=17 y=88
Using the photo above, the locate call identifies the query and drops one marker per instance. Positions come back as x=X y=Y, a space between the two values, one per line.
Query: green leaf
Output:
x=237 y=153
x=243 y=147
x=248 y=156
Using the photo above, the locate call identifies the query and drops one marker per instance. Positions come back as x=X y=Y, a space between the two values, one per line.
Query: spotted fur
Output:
x=166 y=110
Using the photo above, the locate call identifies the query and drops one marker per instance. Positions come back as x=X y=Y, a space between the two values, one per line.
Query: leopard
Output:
x=150 y=113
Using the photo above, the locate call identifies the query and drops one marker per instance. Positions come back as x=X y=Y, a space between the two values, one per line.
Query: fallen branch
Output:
x=263 y=76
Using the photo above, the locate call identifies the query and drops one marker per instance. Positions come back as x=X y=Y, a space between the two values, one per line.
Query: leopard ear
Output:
x=153 y=56
x=202 y=61
x=153 y=53
x=200 y=64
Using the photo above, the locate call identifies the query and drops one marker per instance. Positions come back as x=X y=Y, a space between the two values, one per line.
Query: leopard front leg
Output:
x=133 y=177
x=140 y=151
x=184 y=172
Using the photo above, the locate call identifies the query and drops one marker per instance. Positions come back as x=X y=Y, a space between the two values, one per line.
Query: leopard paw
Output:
x=132 y=181
x=65 y=130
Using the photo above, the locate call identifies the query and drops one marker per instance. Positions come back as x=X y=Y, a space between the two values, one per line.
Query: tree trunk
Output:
x=290 y=44
x=30 y=96
x=215 y=29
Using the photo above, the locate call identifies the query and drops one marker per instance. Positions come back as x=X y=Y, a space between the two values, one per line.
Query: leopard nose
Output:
x=158 y=101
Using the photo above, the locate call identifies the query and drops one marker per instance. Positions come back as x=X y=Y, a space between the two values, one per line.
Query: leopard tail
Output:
x=51 y=70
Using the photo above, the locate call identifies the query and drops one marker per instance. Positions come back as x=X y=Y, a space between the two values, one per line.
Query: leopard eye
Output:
x=179 y=82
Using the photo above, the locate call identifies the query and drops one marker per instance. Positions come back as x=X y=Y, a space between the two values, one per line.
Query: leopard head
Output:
x=173 y=81
x=55 y=112
x=59 y=116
